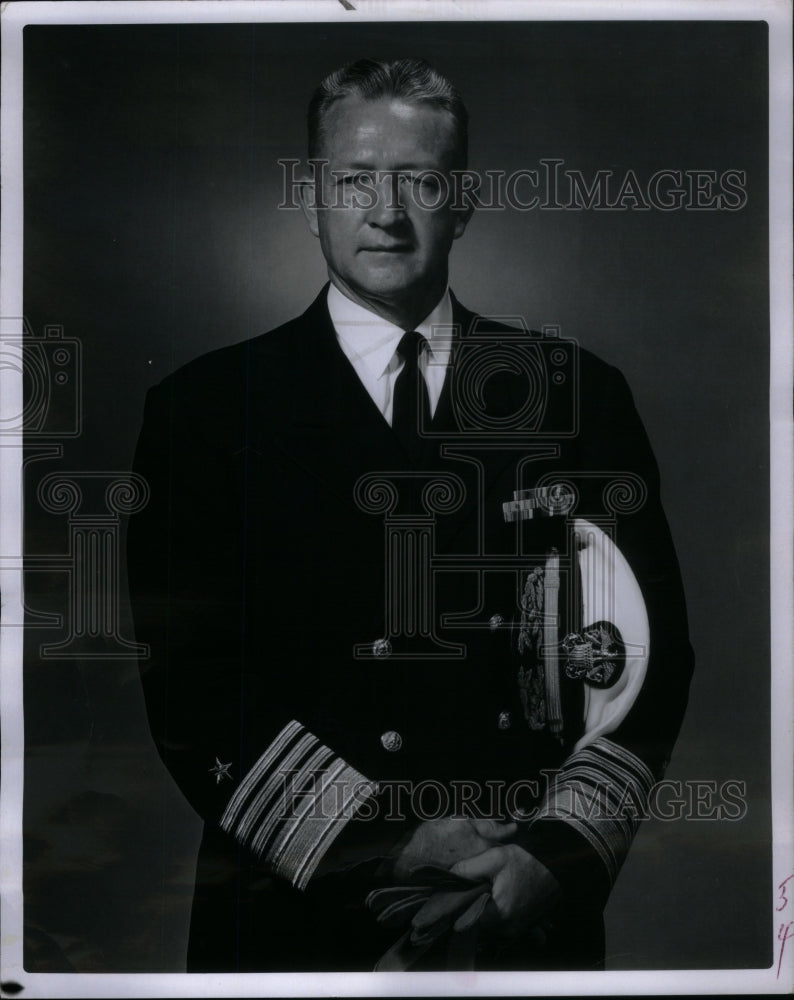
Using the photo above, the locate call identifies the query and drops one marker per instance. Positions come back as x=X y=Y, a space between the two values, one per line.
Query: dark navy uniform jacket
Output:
x=291 y=671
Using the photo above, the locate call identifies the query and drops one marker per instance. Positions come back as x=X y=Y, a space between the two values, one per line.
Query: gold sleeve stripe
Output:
x=602 y=792
x=294 y=802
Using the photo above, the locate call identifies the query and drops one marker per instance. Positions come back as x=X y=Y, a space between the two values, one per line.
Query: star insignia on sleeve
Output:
x=221 y=771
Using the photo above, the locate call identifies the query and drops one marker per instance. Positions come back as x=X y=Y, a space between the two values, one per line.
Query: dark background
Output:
x=152 y=236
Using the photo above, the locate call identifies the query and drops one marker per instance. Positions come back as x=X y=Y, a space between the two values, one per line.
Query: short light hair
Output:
x=411 y=80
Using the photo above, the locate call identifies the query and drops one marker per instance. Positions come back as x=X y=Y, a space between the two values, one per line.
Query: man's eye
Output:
x=427 y=182
x=358 y=179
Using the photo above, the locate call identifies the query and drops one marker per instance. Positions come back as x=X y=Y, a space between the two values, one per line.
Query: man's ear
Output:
x=307 y=193
x=465 y=201
x=462 y=217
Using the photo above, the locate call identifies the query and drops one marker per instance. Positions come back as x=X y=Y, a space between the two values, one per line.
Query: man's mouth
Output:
x=395 y=248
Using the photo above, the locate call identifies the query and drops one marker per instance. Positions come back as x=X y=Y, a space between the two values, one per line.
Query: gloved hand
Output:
x=434 y=901
x=443 y=842
x=434 y=891
x=431 y=898
x=521 y=889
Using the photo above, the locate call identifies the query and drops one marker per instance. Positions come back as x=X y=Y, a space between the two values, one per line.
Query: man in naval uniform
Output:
x=411 y=600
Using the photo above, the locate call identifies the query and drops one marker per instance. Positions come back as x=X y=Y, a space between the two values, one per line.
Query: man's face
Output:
x=383 y=240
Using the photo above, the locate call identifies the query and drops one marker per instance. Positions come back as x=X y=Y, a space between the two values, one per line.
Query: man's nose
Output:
x=390 y=201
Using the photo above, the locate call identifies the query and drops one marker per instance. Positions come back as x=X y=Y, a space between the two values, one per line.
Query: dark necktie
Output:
x=411 y=410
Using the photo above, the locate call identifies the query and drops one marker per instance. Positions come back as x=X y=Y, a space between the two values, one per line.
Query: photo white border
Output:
x=15 y=16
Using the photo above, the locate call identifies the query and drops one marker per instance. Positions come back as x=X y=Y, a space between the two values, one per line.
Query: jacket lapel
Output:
x=327 y=424
x=470 y=427
x=330 y=426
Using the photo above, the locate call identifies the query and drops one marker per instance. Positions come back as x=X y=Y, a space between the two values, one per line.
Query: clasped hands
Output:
x=460 y=873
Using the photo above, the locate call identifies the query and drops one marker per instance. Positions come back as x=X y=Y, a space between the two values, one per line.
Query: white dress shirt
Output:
x=370 y=344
